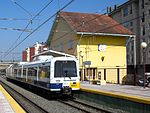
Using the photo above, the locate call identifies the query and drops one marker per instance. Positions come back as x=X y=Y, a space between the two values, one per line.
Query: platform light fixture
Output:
x=143 y=46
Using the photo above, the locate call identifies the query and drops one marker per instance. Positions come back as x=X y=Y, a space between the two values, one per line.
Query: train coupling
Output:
x=66 y=90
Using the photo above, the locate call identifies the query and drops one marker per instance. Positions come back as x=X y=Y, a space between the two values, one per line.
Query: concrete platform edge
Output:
x=15 y=106
x=122 y=96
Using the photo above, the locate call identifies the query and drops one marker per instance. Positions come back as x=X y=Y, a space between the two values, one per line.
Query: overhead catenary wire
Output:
x=20 y=6
x=17 y=29
x=98 y=29
x=138 y=17
x=12 y=56
x=122 y=23
x=22 y=33
x=8 y=19
x=29 y=24
x=72 y=30
x=66 y=5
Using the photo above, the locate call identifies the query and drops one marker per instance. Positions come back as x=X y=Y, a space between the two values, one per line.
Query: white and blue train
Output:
x=58 y=74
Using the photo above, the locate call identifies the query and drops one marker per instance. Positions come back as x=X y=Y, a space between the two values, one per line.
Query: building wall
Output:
x=62 y=37
x=114 y=53
x=140 y=11
x=24 y=56
x=28 y=54
x=114 y=56
x=32 y=53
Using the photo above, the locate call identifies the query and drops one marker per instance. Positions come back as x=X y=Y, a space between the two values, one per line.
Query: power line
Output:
x=29 y=24
x=115 y=25
x=15 y=19
x=84 y=23
x=41 y=25
x=98 y=29
x=25 y=10
x=24 y=30
x=1 y=52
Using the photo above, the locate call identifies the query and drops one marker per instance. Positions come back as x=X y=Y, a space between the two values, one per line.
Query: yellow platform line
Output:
x=15 y=106
x=122 y=96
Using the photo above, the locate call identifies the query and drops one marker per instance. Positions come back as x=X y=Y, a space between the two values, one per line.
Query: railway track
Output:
x=87 y=108
x=25 y=103
x=32 y=107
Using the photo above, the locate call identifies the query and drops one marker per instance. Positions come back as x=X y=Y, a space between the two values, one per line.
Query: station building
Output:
x=98 y=42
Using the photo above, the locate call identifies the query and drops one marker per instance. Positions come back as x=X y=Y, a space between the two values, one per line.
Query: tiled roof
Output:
x=93 y=23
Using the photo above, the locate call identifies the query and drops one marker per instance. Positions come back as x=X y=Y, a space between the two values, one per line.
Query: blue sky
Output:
x=9 y=9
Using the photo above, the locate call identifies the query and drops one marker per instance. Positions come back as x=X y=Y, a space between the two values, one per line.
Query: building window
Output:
x=131 y=9
x=57 y=47
x=143 y=30
x=132 y=47
x=131 y=23
x=148 y=40
x=132 y=60
x=125 y=11
x=126 y=24
x=61 y=47
x=143 y=17
x=148 y=55
x=131 y=29
x=147 y=26
x=70 y=44
x=142 y=4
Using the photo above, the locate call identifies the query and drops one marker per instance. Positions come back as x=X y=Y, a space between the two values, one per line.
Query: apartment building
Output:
x=135 y=15
x=28 y=53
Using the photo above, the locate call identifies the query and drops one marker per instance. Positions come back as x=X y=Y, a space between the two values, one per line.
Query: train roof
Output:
x=38 y=60
x=54 y=54
x=43 y=59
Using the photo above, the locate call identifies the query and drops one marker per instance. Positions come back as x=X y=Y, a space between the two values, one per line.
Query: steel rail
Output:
x=90 y=106
x=85 y=107
x=28 y=105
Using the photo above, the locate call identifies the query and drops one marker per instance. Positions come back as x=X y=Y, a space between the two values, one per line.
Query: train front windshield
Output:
x=65 y=69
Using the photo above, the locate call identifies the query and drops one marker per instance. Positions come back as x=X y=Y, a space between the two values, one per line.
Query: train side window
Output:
x=58 y=72
x=24 y=72
x=19 y=72
x=44 y=72
x=15 y=72
x=32 y=73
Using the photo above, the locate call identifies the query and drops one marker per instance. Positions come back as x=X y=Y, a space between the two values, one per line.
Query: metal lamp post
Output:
x=143 y=46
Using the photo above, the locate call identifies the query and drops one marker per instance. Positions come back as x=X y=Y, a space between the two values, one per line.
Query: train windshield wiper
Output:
x=67 y=75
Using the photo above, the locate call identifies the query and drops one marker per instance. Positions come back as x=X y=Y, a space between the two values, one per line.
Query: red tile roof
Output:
x=93 y=23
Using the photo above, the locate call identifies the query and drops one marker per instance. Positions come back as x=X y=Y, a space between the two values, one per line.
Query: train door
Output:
x=44 y=74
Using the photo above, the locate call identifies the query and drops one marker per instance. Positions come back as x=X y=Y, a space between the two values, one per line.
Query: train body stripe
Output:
x=55 y=85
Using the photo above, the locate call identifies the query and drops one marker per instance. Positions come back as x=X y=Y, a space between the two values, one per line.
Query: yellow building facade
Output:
x=101 y=55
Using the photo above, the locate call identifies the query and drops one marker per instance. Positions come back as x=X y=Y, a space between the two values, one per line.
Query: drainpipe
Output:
x=82 y=77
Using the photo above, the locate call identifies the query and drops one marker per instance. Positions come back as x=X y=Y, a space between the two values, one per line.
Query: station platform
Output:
x=8 y=104
x=127 y=92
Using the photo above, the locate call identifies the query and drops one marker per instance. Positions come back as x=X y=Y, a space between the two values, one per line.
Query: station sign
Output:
x=87 y=63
